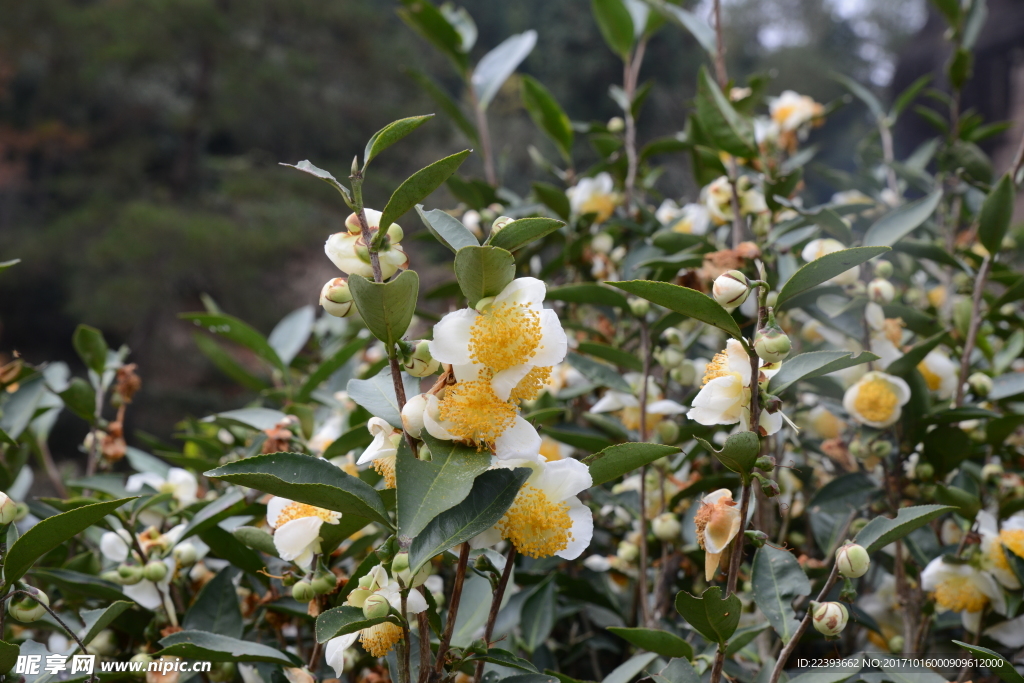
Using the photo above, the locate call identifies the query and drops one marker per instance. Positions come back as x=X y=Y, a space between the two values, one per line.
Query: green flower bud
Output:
x=924 y=471
x=685 y=374
x=387 y=551
x=639 y=307
x=8 y=509
x=770 y=343
x=400 y=563
x=289 y=578
x=980 y=384
x=757 y=538
x=22 y=512
x=26 y=609
x=666 y=527
x=881 y=449
x=324 y=581
x=302 y=591
x=731 y=289
x=829 y=618
x=857 y=525
x=395 y=233
x=616 y=124
x=627 y=552
x=376 y=606
x=853 y=561
x=765 y=463
x=420 y=363
x=111 y=575
x=896 y=644
x=858 y=449
x=883 y=269
x=130 y=574
x=769 y=487
x=222 y=672
x=353 y=225
x=478 y=646
x=881 y=291
x=336 y=298
x=670 y=357
x=499 y=224
x=185 y=554
x=143 y=659
x=962 y=311
x=668 y=431
x=154 y=571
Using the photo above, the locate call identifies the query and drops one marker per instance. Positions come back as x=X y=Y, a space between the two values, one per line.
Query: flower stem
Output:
x=631 y=74
x=492 y=616
x=453 y=610
x=972 y=330
x=645 y=343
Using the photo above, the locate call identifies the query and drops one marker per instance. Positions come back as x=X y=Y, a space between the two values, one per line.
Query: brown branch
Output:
x=453 y=609
x=492 y=616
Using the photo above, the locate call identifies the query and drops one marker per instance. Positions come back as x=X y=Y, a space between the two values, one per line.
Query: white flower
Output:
x=717 y=521
x=348 y=252
x=546 y=518
x=815 y=249
x=382 y=451
x=877 y=399
x=551 y=450
x=824 y=424
x=962 y=588
x=412 y=415
x=180 y=483
x=792 y=110
x=117 y=547
x=766 y=131
x=1009 y=633
x=717 y=199
x=724 y=397
x=297 y=529
x=594 y=195
x=992 y=541
x=328 y=432
x=886 y=334
x=690 y=219
x=627 y=406
x=940 y=373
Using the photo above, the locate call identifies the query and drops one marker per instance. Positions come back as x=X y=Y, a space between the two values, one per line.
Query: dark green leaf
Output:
x=617 y=460
x=967 y=504
x=739 y=452
x=80 y=398
x=386 y=307
x=549 y=116
x=255 y=538
x=996 y=214
x=341 y=621
x=504 y=658
x=357 y=437
x=483 y=271
x=1005 y=670
x=8 y=652
x=538 y=615
x=698 y=28
x=418 y=186
x=814 y=364
x=554 y=198
x=910 y=360
x=616 y=25
x=778 y=580
x=226 y=363
x=77 y=583
x=897 y=224
x=329 y=366
x=881 y=531
x=446 y=103
x=623 y=359
x=231 y=503
x=713 y=616
x=726 y=127
x=588 y=293
x=424 y=18
x=519 y=233
x=825 y=268
x=96 y=620
x=684 y=300
x=91 y=347
x=655 y=640
x=448 y=230
x=200 y=645
x=390 y=134
x=239 y=332
x=216 y=609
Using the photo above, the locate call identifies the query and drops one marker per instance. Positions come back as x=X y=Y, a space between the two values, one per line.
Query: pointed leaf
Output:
x=739 y=452
x=341 y=621
x=617 y=460
x=386 y=307
x=1005 y=670
x=446 y=103
x=483 y=271
x=96 y=620
x=377 y=395
x=239 y=332
x=390 y=134
x=726 y=127
x=778 y=580
x=599 y=373
x=448 y=229
x=519 y=233
x=814 y=364
x=909 y=361
x=616 y=25
x=548 y=115
x=210 y=647
x=290 y=335
x=216 y=609
x=91 y=348
x=424 y=18
x=713 y=616
x=496 y=66
x=897 y=224
x=996 y=214
x=881 y=531
x=688 y=302
x=698 y=28
x=418 y=186
x=654 y=640
x=825 y=268
x=588 y=293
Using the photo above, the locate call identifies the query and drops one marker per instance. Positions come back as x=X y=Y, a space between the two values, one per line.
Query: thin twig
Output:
x=631 y=73
x=492 y=616
x=720 y=73
x=74 y=636
x=972 y=331
x=642 y=574
x=424 y=627
x=453 y=609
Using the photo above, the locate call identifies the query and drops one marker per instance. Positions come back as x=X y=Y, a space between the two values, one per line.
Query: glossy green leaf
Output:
x=341 y=621
x=967 y=503
x=615 y=24
x=814 y=364
x=726 y=127
x=863 y=94
x=909 y=361
x=211 y=647
x=738 y=453
x=697 y=27
x=519 y=233
x=483 y=271
x=306 y=167
x=228 y=504
x=493 y=493
x=253 y=418
x=825 y=268
x=553 y=197
x=424 y=18
x=897 y=224
x=996 y=214
x=235 y=330
x=331 y=365
x=290 y=335
x=91 y=347
x=778 y=580
x=881 y=531
x=599 y=373
x=390 y=134
x=1005 y=670
x=255 y=538
x=504 y=658
x=448 y=230
x=95 y=620
x=827 y=675
x=617 y=460
x=446 y=103
x=386 y=307
x=538 y=615
x=496 y=66
x=8 y=652
x=713 y=616
x=305 y=479
x=357 y=437
x=418 y=186
x=378 y=396
x=664 y=643
x=688 y=302
x=549 y=116
x=215 y=608
x=588 y=293
x=54 y=532
x=80 y=398
x=227 y=364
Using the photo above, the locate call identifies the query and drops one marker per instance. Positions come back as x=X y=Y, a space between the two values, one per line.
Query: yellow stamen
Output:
x=293 y=511
x=475 y=412
x=537 y=526
x=549 y=449
x=630 y=418
x=783 y=112
x=1012 y=539
x=931 y=379
x=529 y=387
x=385 y=467
x=601 y=204
x=378 y=640
x=504 y=335
x=893 y=328
x=876 y=400
x=718 y=367
x=959 y=594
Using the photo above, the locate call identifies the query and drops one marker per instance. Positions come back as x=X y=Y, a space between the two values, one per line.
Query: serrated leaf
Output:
x=727 y=128
x=738 y=453
x=814 y=364
x=909 y=361
x=448 y=230
x=210 y=647
x=386 y=307
x=778 y=580
x=683 y=300
x=655 y=640
x=341 y=621
x=588 y=293
x=897 y=224
x=496 y=66
x=378 y=396
x=825 y=268
x=615 y=461
x=996 y=214
x=881 y=531
x=390 y=134
x=215 y=609
x=91 y=347
x=549 y=116
x=519 y=233
x=418 y=186
x=305 y=479
x=483 y=271
x=713 y=616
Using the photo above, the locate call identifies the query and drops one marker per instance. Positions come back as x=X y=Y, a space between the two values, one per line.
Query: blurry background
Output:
x=139 y=143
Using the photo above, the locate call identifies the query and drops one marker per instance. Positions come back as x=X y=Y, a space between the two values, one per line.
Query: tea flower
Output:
x=382 y=451
x=178 y=482
x=962 y=588
x=815 y=249
x=717 y=199
x=724 y=397
x=117 y=547
x=690 y=219
x=350 y=254
x=886 y=334
x=877 y=399
x=940 y=373
x=470 y=411
x=627 y=406
x=512 y=335
x=297 y=529
x=546 y=517
x=993 y=540
x=791 y=110
x=380 y=638
x=594 y=195
x=718 y=521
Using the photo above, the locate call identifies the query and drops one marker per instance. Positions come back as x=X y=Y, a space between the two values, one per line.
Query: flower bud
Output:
x=770 y=343
x=26 y=609
x=685 y=374
x=992 y=470
x=853 y=561
x=883 y=269
x=924 y=471
x=769 y=487
x=324 y=580
x=881 y=449
x=765 y=463
x=670 y=357
x=8 y=509
x=666 y=527
x=22 y=512
x=111 y=575
x=602 y=243
x=881 y=291
x=386 y=552
x=639 y=307
x=731 y=289
x=154 y=571
x=757 y=538
x=896 y=644
x=499 y=224
x=420 y=363
x=130 y=574
x=376 y=606
x=352 y=224
x=185 y=554
x=395 y=233
x=412 y=415
x=616 y=124
x=302 y=591
x=336 y=298
x=829 y=618
x=980 y=384
x=478 y=646
x=627 y=552
x=400 y=568
x=668 y=431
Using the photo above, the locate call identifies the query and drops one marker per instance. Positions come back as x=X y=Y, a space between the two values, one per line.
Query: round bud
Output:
x=671 y=357
x=853 y=561
x=352 y=224
x=302 y=591
x=896 y=644
x=685 y=374
x=639 y=307
x=829 y=618
x=420 y=363
x=883 y=269
x=185 y=554
x=499 y=224
x=757 y=538
x=22 y=512
x=111 y=575
x=478 y=646
x=765 y=463
x=771 y=344
x=26 y=609
x=154 y=571
x=881 y=449
x=616 y=124
x=130 y=574
x=858 y=449
x=769 y=487
x=980 y=384
x=627 y=552
x=857 y=525
x=400 y=563
x=992 y=470
x=336 y=298
x=8 y=509
x=666 y=527
x=395 y=233
x=924 y=471
x=668 y=431
x=602 y=243
x=143 y=660
x=731 y=289
x=881 y=291
x=376 y=606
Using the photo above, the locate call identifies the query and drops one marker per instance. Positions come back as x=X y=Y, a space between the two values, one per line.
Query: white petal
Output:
x=186 y=488
x=505 y=381
x=485 y=539
x=739 y=361
x=987 y=524
x=467 y=372
x=173 y=534
x=523 y=290
x=415 y=603
x=432 y=420
x=334 y=653
x=274 y=507
x=971 y=620
x=563 y=479
x=553 y=342
x=294 y=538
x=582 y=530
x=716 y=496
x=380 y=447
x=932 y=575
x=771 y=422
x=113 y=547
x=151 y=479
x=612 y=401
x=665 y=407
x=452 y=335
x=520 y=440
x=1009 y=633
x=144 y=593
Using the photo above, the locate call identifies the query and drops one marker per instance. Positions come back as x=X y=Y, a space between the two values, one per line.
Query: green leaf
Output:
x=426 y=488
x=599 y=373
x=390 y=134
x=655 y=640
x=996 y=214
x=200 y=645
x=538 y=614
x=496 y=66
x=829 y=675
x=881 y=531
x=357 y=437
x=713 y=616
x=825 y=268
x=80 y=398
x=306 y=167
x=95 y=620
x=698 y=28
x=378 y=396
x=897 y=224
x=341 y=621
x=727 y=128
x=616 y=25
x=778 y=580
x=216 y=609
x=483 y=271
x=967 y=504
x=504 y=658
x=951 y=10
x=77 y=583
x=386 y=307
x=493 y=493
x=54 y=532
x=91 y=347
x=235 y=330
x=418 y=186
x=554 y=198
x=588 y=293
x=909 y=361
x=1005 y=670
x=623 y=359
x=255 y=538
x=329 y=366
x=688 y=302
x=549 y=116
x=617 y=460
x=678 y=671
x=231 y=503
x=448 y=230
x=424 y=18
x=305 y=479
x=226 y=363
x=253 y=418
x=446 y=103
x=738 y=454
x=8 y=652
x=4 y=265
x=519 y=233
x=814 y=364
x=863 y=94
x=290 y=335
